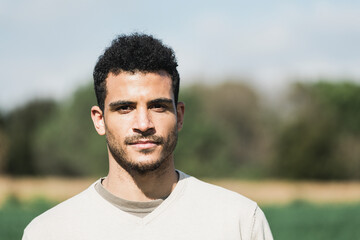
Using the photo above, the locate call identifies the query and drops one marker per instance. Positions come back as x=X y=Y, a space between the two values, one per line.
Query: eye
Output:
x=158 y=107
x=124 y=109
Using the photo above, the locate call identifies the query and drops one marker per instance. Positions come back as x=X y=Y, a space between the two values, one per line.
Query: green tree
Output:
x=4 y=144
x=320 y=139
x=200 y=147
x=20 y=126
x=68 y=144
x=223 y=134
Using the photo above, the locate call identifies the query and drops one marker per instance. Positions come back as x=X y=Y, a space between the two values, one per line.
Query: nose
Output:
x=143 y=123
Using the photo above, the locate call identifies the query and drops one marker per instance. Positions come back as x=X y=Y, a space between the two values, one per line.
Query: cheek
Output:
x=117 y=127
x=166 y=124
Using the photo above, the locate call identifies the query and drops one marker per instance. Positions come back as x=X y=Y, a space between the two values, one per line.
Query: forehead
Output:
x=130 y=85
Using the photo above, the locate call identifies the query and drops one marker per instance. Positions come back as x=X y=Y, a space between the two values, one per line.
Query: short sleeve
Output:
x=24 y=237
x=261 y=229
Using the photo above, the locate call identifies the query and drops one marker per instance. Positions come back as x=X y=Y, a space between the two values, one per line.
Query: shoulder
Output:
x=199 y=187
x=76 y=203
x=73 y=208
x=215 y=195
x=225 y=208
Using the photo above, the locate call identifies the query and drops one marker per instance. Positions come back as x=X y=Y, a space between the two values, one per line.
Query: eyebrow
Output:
x=124 y=102
x=161 y=100
x=119 y=103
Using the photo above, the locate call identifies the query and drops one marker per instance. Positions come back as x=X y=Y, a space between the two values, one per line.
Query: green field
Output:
x=288 y=222
x=14 y=216
x=307 y=221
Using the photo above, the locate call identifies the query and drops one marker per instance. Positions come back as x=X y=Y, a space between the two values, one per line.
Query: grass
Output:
x=299 y=220
x=305 y=221
x=15 y=215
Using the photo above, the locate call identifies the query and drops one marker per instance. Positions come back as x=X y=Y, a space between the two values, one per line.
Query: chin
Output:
x=146 y=163
x=144 y=168
x=139 y=161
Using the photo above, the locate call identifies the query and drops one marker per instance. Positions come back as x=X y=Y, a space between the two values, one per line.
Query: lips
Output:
x=144 y=144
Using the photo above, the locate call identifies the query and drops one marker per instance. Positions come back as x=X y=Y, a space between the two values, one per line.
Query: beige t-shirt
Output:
x=193 y=210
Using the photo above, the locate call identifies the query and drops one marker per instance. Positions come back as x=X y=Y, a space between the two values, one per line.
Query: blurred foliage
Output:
x=67 y=144
x=20 y=127
x=227 y=132
x=320 y=139
x=4 y=144
x=223 y=132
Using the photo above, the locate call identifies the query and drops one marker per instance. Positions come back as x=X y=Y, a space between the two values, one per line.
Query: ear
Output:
x=98 y=120
x=180 y=110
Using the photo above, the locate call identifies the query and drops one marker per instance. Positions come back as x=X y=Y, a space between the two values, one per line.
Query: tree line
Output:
x=228 y=132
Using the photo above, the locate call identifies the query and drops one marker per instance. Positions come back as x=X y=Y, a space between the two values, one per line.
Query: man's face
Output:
x=141 y=121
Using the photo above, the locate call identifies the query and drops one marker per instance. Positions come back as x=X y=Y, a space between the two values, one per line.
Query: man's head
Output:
x=137 y=85
x=134 y=53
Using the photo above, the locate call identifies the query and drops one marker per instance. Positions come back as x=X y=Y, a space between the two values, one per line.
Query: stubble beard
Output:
x=133 y=166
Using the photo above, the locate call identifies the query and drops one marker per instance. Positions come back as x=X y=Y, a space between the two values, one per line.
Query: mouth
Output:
x=144 y=144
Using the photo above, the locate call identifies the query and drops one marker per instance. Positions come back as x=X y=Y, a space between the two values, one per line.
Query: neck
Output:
x=141 y=187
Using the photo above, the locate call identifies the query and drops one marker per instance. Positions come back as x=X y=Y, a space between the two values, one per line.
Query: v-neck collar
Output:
x=174 y=195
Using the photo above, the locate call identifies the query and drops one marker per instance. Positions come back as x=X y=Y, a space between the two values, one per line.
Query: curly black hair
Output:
x=131 y=53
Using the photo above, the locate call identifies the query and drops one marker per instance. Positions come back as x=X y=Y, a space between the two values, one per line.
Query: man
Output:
x=143 y=196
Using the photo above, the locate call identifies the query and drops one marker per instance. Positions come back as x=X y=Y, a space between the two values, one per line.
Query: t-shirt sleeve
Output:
x=260 y=229
x=25 y=236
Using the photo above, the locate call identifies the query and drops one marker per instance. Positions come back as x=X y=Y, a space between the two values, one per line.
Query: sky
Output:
x=49 y=48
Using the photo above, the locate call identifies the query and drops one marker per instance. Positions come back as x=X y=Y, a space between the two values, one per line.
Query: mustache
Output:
x=137 y=138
